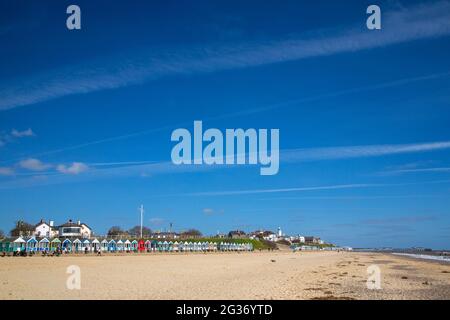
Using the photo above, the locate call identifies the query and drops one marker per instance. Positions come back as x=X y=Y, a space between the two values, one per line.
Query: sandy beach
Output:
x=253 y=275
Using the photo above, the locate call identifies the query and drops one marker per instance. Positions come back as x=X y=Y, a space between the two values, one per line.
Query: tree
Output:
x=191 y=233
x=136 y=231
x=22 y=228
x=116 y=231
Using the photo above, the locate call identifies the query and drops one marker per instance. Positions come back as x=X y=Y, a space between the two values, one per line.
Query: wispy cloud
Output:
x=282 y=190
x=6 y=171
x=212 y=212
x=74 y=168
x=419 y=170
x=151 y=168
x=20 y=134
x=332 y=153
x=34 y=165
x=406 y=24
x=313 y=188
x=15 y=135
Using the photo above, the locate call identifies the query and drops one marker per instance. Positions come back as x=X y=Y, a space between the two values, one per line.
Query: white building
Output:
x=72 y=229
x=45 y=230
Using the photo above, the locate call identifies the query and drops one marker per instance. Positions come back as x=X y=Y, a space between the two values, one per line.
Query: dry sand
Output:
x=256 y=275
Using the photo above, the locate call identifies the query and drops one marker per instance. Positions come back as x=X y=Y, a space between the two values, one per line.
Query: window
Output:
x=71 y=230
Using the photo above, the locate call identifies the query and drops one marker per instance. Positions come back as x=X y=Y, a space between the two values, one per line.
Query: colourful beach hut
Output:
x=44 y=245
x=31 y=245
x=175 y=246
x=141 y=245
x=77 y=245
x=134 y=245
x=154 y=245
x=19 y=244
x=112 y=246
x=67 y=245
x=148 y=245
x=104 y=245
x=55 y=244
x=6 y=245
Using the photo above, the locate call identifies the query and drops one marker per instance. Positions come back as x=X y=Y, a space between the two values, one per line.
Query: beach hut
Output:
x=112 y=246
x=165 y=246
x=67 y=245
x=134 y=245
x=160 y=246
x=120 y=246
x=31 y=245
x=6 y=245
x=86 y=245
x=77 y=245
x=44 y=245
x=175 y=246
x=95 y=245
x=148 y=245
x=19 y=244
x=154 y=245
x=127 y=245
x=141 y=245
x=170 y=246
x=104 y=245
x=55 y=244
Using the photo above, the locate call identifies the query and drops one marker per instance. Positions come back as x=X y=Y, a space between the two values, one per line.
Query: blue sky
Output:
x=86 y=116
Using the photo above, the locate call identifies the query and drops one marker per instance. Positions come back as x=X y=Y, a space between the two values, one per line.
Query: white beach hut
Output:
x=120 y=246
x=104 y=245
x=95 y=245
x=127 y=245
x=148 y=245
x=19 y=244
x=86 y=245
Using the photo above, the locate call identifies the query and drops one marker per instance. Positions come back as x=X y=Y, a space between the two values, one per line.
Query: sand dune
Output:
x=257 y=275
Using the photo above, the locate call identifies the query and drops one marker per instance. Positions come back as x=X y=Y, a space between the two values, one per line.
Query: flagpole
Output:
x=142 y=217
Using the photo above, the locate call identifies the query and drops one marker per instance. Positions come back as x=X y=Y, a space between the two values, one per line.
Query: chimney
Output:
x=79 y=222
x=51 y=223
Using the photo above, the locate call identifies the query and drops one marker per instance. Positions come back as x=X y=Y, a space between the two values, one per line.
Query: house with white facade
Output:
x=71 y=229
x=45 y=230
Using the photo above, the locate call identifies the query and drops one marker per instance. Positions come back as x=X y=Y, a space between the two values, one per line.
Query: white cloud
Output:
x=407 y=24
x=259 y=191
x=332 y=153
x=421 y=170
x=74 y=168
x=34 y=165
x=20 y=134
x=6 y=171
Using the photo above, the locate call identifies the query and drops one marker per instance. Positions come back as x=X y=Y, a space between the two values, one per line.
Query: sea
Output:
x=417 y=253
